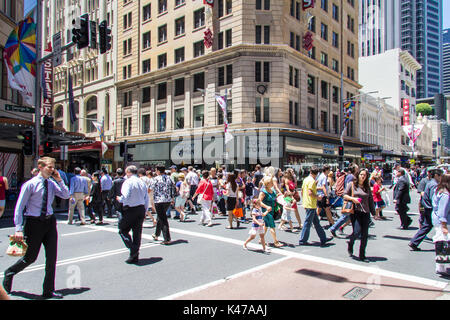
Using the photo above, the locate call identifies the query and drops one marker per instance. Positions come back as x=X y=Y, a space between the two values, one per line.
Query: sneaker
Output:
x=333 y=233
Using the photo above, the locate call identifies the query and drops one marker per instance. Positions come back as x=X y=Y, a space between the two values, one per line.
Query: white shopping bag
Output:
x=386 y=199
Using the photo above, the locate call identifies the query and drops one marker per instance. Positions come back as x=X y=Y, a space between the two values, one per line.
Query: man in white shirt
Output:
x=135 y=204
x=323 y=192
x=193 y=180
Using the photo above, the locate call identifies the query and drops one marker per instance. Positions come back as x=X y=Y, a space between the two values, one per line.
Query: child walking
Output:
x=286 y=216
x=257 y=225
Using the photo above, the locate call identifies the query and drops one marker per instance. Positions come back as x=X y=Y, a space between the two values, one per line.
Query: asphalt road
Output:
x=91 y=261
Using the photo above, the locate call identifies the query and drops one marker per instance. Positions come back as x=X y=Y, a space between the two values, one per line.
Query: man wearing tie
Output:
x=78 y=192
x=39 y=225
x=135 y=204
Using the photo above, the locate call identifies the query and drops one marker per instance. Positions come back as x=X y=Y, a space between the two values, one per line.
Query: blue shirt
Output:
x=134 y=193
x=106 y=182
x=64 y=177
x=78 y=184
x=31 y=195
x=441 y=208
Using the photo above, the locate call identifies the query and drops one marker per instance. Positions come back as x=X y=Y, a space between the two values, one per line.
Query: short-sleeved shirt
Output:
x=308 y=201
x=376 y=193
x=162 y=189
x=322 y=181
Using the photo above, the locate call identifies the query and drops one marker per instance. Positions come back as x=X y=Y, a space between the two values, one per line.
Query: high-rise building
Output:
x=421 y=35
x=379 y=26
x=167 y=79
x=446 y=62
x=411 y=25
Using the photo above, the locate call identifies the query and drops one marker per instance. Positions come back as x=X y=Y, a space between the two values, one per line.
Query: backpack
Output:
x=340 y=182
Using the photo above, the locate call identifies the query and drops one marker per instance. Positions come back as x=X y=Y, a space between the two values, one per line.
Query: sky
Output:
x=28 y=4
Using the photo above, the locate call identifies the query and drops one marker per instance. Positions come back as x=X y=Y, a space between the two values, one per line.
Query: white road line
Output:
x=411 y=213
x=84 y=258
x=78 y=233
x=217 y=282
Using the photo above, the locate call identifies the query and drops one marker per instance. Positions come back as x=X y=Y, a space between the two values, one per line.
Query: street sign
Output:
x=9 y=107
x=57 y=49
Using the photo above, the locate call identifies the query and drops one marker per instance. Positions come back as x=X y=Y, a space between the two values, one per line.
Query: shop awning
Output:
x=95 y=146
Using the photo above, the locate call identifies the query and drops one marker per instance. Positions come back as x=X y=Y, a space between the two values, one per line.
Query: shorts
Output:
x=380 y=204
x=323 y=203
x=256 y=230
x=286 y=216
x=231 y=203
x=2 y=203
x=180 y=201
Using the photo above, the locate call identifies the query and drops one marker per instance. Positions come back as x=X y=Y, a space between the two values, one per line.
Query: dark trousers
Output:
x=132 y=219
x=107 y=201
x=402 y=210
x=162 y=223
x=98 y=209
x=222 y=206
x=426 y=225
x=360 y=223
x=38 y=232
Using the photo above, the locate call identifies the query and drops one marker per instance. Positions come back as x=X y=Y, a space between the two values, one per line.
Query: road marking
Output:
x=221 y=281
x=84 y=258
x=78 y=233
x=411 y=213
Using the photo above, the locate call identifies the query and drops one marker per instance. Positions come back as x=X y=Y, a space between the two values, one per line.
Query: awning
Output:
x=95 y=146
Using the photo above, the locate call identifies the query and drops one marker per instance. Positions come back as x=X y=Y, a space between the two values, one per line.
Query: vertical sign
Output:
x=406 y=115
x=47 y=84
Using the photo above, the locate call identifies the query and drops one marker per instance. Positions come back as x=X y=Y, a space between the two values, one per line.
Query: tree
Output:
x=425 y=109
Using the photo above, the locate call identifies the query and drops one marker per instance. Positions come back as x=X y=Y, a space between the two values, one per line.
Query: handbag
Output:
x=348 y=207
x=238 y=212
x=442 y=249
x=16 y=248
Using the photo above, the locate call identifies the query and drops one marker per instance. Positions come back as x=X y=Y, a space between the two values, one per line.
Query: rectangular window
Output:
x=220 y=41
x=199 y=49
x=258 y=71
x=324 y=59
x=199 y=81
x=199 y=18
x=296 y=113
x=179 y=87
x=266 y=110
x=162 y=60
x=146 y=66
x=291 y=112
x=162 y=6
x=229 y=73
x=258 y=109
x=127 y=47
x=335 y=40
x=162 y=33
x=335 y=94
x=179 y=26
x=324 y=5
x=291 y=76
x=229 y=112
x=311 y=84
x=335 y=65
x=146 y=40
x=127 y=126
x=199 y=116
x=228 y=38
x=145 y=124
x=266 y=34
x=324 y=121
x=147 y=12
x=336 y=123
x=296 y=78
x=179 y=2
x=335 y=12
x=127 y=98
x=311 y=118
x=324 y=31
x=162 y=91
x=229 y=6
x=161 y=121
x=179 y=55
x=221 y=76
x=324 y=89
x=220 y=8
x=266 y=71
x=127 y=21
x=179 y=119
x=258 y=35
x=146 y=95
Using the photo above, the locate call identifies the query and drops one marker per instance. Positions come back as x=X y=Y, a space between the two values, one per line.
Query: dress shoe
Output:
x=301 y=243
x=414 y=247
x=363 y=259
x=52 y=295
x=7 y=283
x=133 y=258
x=333 y=233
x=324 y=243
x=166 y=243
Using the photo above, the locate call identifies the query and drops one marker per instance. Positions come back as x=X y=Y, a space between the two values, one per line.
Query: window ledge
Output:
x=180 y=5
x=199 y=28
x=163 y=42
x=179 y=36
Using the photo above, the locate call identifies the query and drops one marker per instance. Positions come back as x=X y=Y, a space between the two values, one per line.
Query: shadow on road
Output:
x=64 y=292
x=148 y=261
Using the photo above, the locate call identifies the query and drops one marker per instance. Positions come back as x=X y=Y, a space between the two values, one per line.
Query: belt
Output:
x=47 y=217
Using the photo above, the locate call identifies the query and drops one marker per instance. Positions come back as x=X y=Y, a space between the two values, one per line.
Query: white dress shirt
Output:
x=134 y=193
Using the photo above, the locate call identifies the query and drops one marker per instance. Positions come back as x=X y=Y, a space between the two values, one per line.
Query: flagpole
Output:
x=37 y=112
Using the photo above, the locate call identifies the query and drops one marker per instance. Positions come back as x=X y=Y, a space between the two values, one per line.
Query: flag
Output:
x=73 y=116
x=413 y=136
x=209 y=2
x=104 y=148
x=19 y=55
x=222 y=101
x=43 y=84
x=208 y=38
x=348 y=110
x=99 y=127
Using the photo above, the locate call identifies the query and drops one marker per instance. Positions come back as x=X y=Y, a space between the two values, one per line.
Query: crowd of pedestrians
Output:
x=256 y=198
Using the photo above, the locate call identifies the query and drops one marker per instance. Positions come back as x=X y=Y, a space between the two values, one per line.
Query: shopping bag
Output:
x=238 y=212
x=214 y=208
x=385 y=197
x=16 y=248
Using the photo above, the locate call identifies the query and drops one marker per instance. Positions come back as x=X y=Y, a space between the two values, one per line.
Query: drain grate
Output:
x=357 y=293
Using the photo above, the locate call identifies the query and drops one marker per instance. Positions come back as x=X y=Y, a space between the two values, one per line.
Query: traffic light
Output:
x=129 y=157
x=341 y=151
x=48 y=125
x=28 y=139
x=81 y=35
x=104 y=37
x=92 y=34
x=48 y=147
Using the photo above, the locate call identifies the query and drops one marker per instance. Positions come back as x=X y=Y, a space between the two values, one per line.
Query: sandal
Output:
x=228 y=227
x=277 y=245
x=154 y=237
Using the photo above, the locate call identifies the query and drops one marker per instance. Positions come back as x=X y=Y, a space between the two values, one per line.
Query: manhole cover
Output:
x=357 y=293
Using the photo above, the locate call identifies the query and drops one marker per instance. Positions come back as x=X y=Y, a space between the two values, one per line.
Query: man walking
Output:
x=78 y=192
x=116 y=191
x=163 y=193
x=135 y=204
x=106 y=184
x=426 y=223
x=402 y=198
x=3 y=188
x=323 y=191
x=36 y=198
x=193 y=180
x=309 y=190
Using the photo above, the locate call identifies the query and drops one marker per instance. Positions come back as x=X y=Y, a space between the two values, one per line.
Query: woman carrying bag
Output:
x=360 y=194
x=205 y=188
x=441 y=216
x=267 y=198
